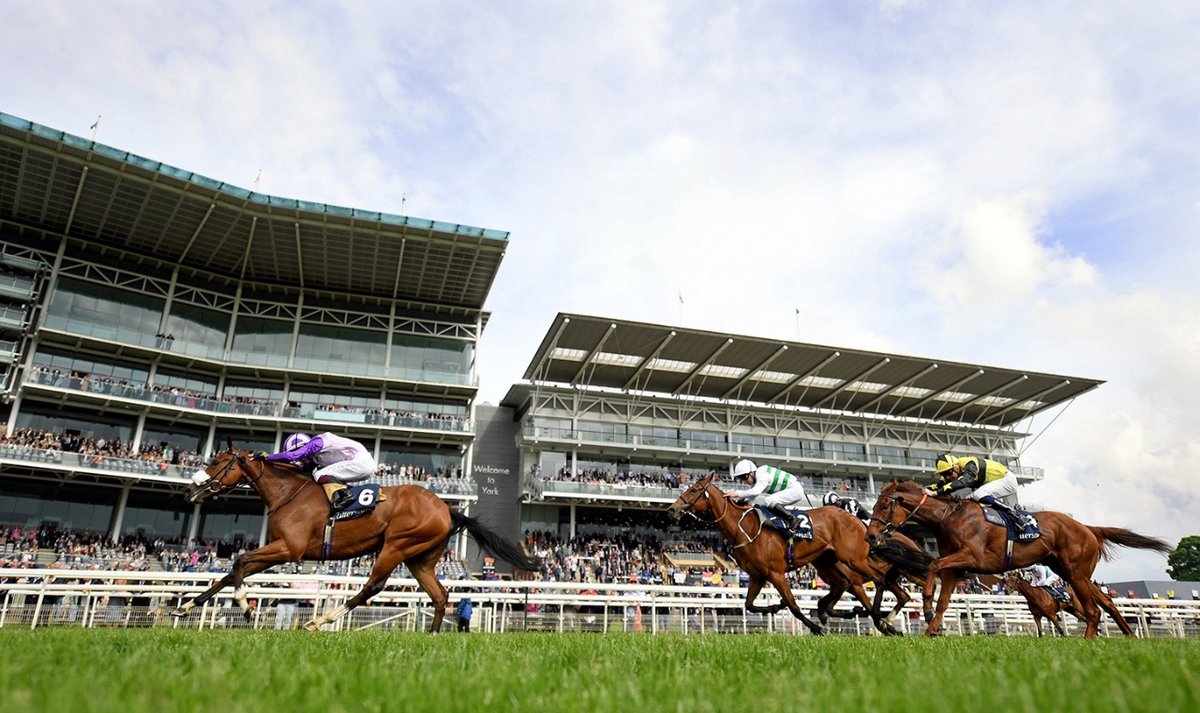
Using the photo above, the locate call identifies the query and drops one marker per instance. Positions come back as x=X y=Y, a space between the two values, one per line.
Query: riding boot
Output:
x=789 y=520
x=336 y=492
x=1022 y=519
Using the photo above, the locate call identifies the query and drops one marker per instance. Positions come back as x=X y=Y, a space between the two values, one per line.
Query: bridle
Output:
x=214 y=485
x=701 y=492
x=890 y=527
x=702 y=487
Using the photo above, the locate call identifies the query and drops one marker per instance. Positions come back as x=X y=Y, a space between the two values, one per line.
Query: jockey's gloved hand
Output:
x=261 y=455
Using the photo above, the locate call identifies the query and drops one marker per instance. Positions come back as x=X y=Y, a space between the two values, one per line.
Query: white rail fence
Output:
x=34 y=598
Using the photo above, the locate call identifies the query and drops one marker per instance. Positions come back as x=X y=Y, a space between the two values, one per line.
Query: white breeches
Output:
x=793 y=493
x=348 y=471
x=1004 y=489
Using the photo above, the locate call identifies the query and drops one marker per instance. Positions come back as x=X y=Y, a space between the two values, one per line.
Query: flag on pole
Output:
x=95 y=123
x=681 y=297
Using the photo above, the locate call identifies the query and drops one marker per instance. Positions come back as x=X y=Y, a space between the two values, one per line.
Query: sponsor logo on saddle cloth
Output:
x=803 y=529
x=365 y=498
x=1016 y=530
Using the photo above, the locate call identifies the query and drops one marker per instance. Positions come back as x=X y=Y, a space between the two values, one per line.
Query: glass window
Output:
x=193 y=324
x=426 y=354
x=406 y=461
x=322 y=347
x=263 y=340
x=81 y=507
x=106 y=311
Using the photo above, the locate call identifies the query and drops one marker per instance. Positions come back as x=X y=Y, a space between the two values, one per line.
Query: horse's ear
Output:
x=229 y=440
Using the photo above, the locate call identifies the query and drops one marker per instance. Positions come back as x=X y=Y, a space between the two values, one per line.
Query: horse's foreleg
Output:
x=752 y=589
x=950 y=579
x=892 y=584
x=201 y=598
x=1057 y=619
x=779 y=579
x=826 y=604
x=253 y=562
x=870 y=608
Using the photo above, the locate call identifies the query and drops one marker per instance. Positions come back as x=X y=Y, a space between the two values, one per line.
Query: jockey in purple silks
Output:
x=338 y=460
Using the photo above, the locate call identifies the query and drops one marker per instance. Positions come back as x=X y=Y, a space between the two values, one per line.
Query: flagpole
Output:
x=93 y=127
x=680 y=308
x=797 y=324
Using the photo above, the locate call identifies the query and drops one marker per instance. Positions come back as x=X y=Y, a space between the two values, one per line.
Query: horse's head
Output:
x=898 y=501
x=694 y=500
x=225 y=470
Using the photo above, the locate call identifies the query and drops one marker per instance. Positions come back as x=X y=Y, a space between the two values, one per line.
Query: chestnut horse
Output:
x=1042 y=604
x=969 y=543
x=411 y=526
x=838 y=551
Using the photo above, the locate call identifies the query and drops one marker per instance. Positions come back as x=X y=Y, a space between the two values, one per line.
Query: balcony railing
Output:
x=918 y=465
x=235 y=356
x=64 y=460
x=450 y=488
x=271 y=409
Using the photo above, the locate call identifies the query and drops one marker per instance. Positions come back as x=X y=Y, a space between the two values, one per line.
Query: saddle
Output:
x=802 y=531
x=1016 y=530
x=348 y=503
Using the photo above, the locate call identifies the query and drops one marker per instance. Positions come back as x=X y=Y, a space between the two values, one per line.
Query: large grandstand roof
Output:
x=66 y=185
x=582 y=351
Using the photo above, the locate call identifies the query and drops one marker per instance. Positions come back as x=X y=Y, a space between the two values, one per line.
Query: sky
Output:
x=1005 y=183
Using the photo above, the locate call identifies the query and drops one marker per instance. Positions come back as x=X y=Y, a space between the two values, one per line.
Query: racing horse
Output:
x=968 y=543
x=409 y=525
x=838 y=551
x=1042 y=604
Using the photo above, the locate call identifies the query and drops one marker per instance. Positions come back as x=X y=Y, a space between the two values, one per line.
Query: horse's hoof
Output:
x=179 y=613
x=312 y=625
x=928 y=617
x=249 y=614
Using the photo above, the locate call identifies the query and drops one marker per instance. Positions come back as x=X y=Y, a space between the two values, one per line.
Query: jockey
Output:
x=850 y=505
x=984 y=481
x=338 y=460
x=781 y=488
x=1041 y=576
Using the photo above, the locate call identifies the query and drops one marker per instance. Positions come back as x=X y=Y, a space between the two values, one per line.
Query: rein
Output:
x=890 y=527
x=252 y=480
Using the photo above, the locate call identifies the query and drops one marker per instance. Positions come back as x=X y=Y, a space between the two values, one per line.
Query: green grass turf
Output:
x=160 y=671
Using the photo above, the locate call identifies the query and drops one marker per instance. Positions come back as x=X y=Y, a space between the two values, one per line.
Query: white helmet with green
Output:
x=743 y=468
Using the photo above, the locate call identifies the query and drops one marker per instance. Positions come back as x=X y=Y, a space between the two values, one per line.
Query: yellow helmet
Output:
x=944 y=464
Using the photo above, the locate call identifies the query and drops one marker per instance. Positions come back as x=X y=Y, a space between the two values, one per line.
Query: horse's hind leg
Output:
x=1106 y=603
x=385 y=563
x=423 y=569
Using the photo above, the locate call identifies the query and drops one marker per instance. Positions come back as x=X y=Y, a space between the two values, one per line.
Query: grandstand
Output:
x=614 y=416
x=149 y=315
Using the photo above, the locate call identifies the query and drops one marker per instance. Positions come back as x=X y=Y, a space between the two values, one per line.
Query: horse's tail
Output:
x=1110 y=536
x=492 y=542
x=912 y=561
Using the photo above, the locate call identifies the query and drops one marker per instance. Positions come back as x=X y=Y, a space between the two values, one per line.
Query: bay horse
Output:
x=1042 y=604
x=411 y=526
x=838 y=551
x=969 y=543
